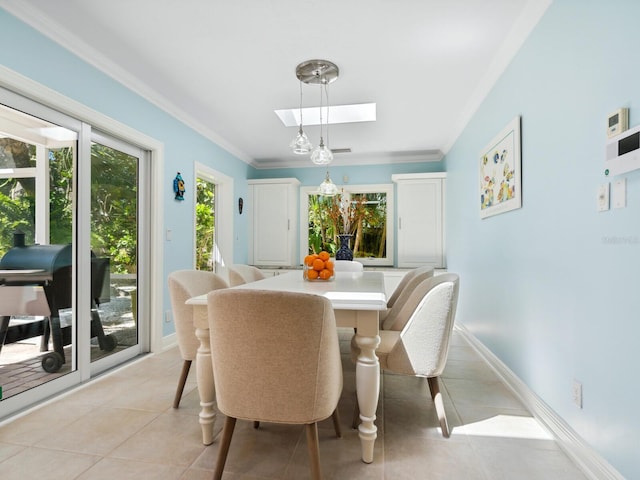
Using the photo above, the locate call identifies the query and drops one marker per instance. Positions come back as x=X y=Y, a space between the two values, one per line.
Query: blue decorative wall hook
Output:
x=178 y=187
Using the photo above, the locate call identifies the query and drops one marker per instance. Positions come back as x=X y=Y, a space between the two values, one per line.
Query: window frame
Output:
x=387 y=188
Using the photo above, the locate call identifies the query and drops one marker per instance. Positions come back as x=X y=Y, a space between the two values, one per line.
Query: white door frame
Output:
x=223 y=212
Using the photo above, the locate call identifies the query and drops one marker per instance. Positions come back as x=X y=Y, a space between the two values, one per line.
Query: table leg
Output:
x=368 y=389
x=4 y=328
x=206 y=387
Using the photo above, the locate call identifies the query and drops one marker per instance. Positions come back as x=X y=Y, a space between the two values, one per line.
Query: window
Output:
x=205 y=224
x=213 y=234
x=371 y=208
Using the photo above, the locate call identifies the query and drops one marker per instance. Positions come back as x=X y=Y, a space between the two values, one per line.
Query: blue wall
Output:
x=357 y=175
x=552 y=288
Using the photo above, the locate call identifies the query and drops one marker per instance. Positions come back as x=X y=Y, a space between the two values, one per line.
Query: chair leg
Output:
x=356 y=415
x=434 y=387
x=335 y=416
x=183 y=379
x=256 y=424
x=314 y=450
x=225 y=442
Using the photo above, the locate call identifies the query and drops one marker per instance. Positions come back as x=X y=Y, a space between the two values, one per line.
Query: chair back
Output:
x=23 y=300
x=424 y=344
x=405 y=281
x=407 y=301
x=184 y=284
x=275 y=355
x=240 y=274
x=347 y=266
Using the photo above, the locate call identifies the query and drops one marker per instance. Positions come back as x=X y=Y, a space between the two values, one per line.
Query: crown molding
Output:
x=66 y=39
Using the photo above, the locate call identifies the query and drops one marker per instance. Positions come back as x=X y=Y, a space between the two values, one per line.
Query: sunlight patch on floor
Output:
x=506 y=426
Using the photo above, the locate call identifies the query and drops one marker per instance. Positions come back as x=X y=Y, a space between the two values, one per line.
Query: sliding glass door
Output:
x=74 y=252
x=38 y=268
x=115 y=243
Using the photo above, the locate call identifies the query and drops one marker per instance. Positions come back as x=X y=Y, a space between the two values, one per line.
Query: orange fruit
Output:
x=324 y=256
x=328 y=265
x=325 y=274
x=318 y=264
x=312 y=274
x=308 y=260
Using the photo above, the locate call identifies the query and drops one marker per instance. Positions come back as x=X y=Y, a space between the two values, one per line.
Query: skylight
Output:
x=363 y=112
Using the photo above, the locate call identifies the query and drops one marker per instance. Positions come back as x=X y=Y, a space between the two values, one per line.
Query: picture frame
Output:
x=500 y=172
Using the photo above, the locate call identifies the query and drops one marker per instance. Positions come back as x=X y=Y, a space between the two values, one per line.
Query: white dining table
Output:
x=356 y=297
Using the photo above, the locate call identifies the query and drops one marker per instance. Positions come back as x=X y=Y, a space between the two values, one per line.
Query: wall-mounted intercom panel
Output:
x=622 y=153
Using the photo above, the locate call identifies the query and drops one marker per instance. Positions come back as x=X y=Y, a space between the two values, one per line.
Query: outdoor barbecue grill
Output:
x=50 y=266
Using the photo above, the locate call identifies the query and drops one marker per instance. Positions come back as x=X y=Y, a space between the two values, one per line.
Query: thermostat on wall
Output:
x=617 y=122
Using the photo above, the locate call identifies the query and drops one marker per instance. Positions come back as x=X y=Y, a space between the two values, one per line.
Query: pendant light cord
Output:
x=321 y=141
x=300 y=104
x=326 y=94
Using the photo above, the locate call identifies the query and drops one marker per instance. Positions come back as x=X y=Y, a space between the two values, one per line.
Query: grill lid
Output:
x=42 y=257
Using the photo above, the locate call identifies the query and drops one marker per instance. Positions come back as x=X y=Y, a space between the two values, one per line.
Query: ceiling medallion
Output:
x=317 y=72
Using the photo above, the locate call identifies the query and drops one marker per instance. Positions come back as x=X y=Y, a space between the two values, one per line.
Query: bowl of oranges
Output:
x=318 y=267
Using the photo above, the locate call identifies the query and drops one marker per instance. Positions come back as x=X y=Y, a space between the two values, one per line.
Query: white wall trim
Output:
x=167 y=342
x=518 y=34
x=396 y=177
x=592 y=464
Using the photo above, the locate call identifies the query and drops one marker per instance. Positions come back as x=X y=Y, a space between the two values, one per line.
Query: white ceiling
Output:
x=223 y=67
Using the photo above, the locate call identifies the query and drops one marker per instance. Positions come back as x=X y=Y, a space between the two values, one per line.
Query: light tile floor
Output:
x=122 y=426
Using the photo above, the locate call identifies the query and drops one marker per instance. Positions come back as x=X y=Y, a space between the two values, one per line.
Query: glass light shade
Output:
x=321 y=155
x=328 y=188
x=301 y=144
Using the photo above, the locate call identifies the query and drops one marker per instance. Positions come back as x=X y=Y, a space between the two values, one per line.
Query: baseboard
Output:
x=592 y=464
x=168 y=342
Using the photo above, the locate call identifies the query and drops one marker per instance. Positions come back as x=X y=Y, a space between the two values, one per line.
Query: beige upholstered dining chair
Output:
x=275 y=360
x=347 y=266
x=420 y=346
x=405 y=302
x=423 y=272
x=240 y=274
x=184 y=284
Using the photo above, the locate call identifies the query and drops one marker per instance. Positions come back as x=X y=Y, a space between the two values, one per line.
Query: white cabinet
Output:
x=420 y=206
x=273 y=226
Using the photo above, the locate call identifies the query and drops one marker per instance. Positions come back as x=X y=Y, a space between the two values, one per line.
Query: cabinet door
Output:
x=420 y=235
x=271 y=225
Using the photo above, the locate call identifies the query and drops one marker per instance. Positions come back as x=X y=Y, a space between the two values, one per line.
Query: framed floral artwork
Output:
x=500 y=172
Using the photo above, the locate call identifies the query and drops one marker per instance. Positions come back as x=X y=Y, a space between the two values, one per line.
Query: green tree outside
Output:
x=205 y=224
x=113 y=201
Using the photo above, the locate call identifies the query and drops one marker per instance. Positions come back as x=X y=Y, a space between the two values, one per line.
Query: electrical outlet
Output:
x=603 y=198
x=619 y=196
x=167 y=316
x=577 y=393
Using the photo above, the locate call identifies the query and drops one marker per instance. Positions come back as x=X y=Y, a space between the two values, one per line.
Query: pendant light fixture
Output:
x=301 y=144
x=327 y=187
x=322 y=155
x=322 y=73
